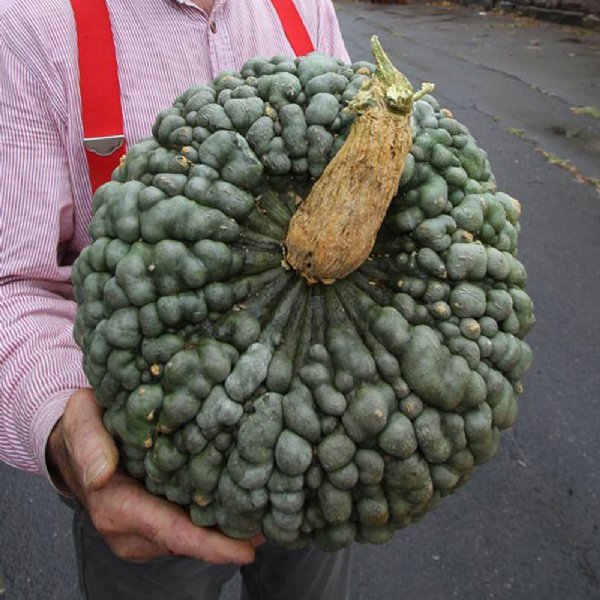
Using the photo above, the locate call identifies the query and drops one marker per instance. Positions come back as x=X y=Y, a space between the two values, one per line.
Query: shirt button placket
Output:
x=219 y=42
x=213 y=43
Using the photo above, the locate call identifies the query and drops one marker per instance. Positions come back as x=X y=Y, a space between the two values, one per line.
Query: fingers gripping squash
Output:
x=266 y=391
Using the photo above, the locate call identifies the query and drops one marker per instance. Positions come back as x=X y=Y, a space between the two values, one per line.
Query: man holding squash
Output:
x=55 y=57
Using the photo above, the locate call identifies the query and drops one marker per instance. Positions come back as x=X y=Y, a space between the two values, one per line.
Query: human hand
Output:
x=136 y=525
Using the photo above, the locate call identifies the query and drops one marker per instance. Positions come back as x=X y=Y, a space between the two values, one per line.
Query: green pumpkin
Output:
x=264 y=403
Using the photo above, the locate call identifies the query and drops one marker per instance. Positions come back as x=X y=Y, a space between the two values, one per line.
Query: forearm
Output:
x=40 y=364
x=41 y=367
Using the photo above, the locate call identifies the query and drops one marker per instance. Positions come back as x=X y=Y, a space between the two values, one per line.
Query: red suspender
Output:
x=293 y=27
x=100 y=92
x=99 y=80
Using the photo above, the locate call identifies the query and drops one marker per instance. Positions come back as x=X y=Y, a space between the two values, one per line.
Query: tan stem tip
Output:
x=335 y=228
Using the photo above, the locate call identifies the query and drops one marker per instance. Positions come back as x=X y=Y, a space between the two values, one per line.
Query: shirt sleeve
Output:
x=40 y=365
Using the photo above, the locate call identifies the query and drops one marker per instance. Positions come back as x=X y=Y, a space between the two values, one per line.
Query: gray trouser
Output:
x=277 y=573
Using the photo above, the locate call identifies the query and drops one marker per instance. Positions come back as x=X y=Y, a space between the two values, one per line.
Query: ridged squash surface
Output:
x=263 y=403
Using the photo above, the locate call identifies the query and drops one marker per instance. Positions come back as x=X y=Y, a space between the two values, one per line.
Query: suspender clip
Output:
x=104 y=146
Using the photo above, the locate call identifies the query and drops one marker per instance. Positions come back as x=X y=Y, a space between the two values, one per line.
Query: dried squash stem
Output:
x=334 y=229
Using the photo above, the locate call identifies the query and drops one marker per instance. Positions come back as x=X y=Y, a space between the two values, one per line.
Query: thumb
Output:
x=92 y=449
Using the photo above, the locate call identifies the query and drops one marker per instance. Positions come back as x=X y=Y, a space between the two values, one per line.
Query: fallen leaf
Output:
x=591 y=111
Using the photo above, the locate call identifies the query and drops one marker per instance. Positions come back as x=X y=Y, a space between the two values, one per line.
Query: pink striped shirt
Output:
x=163 y=47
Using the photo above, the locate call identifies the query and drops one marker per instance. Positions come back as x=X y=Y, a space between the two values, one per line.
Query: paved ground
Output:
x=526 y=526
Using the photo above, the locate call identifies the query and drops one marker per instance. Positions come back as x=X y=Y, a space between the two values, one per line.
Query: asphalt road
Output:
x=526 y=526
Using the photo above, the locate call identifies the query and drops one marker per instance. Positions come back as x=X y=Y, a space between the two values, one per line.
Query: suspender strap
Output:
x=293 y=27
x=99 y=80
x=100 y=92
